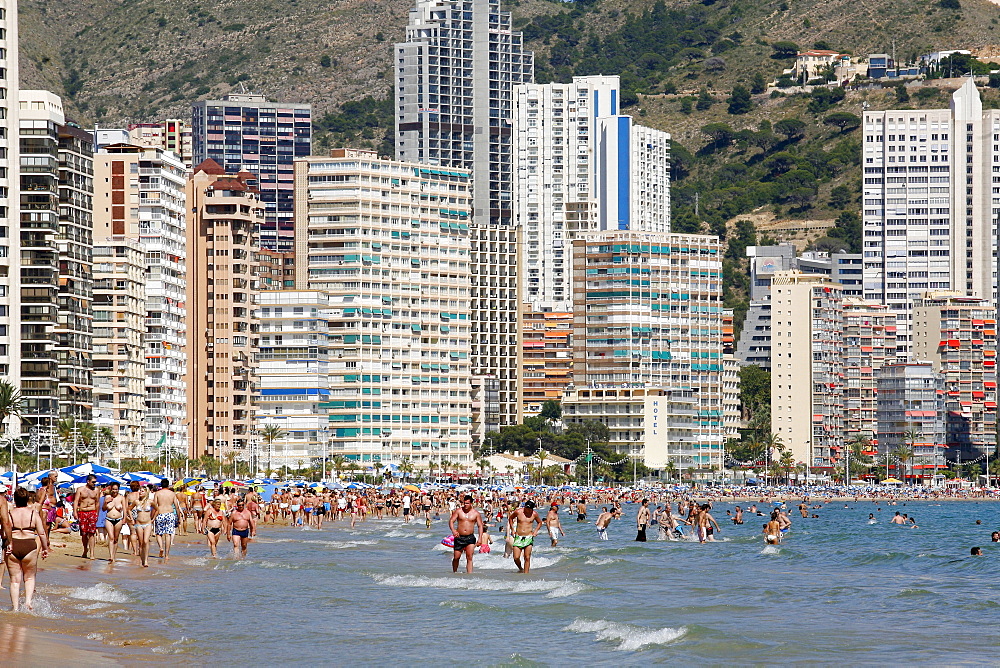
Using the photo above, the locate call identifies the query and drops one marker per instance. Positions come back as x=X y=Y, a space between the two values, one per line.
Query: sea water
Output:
x=838 y=590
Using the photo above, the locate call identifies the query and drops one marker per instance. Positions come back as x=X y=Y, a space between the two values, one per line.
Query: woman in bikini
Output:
x=296 y=504
x=141 y=514
x=215 y=523
x=113 y=506
x=27 y=529
x=198 y=507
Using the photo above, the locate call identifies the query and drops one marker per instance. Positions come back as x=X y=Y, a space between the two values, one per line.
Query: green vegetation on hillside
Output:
x=364 y=123
x=643 y=50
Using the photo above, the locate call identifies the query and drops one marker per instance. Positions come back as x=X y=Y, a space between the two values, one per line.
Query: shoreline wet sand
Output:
x=31 y=638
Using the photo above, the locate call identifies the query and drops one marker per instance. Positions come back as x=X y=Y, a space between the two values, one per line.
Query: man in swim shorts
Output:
x=524 y=521
x=552 y=522
x=465 y=523
x=85 y=507
x=244 y=527
x=166 y=514
x=603 y=520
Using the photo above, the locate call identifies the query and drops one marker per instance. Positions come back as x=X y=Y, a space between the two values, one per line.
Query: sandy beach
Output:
x=34 y=639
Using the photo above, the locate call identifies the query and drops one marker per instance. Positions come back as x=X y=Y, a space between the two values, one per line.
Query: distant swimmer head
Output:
x=976 y=552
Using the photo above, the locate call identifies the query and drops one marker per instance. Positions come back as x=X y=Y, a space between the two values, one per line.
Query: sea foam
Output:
x=99 y=592
x=494 y=561
x=551 y=588
x=629 y=637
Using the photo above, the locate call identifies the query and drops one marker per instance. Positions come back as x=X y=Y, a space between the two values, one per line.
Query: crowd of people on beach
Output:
x=129 y=520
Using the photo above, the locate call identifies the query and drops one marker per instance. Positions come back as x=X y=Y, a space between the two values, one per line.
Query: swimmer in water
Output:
x=772 y=532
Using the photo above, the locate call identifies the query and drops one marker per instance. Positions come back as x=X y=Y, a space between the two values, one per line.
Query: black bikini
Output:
x=22 y=551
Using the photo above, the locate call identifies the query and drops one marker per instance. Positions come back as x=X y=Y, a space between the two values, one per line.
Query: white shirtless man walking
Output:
x=526 y=524
x=553 y=525
x=166 y=515
x=465 y=523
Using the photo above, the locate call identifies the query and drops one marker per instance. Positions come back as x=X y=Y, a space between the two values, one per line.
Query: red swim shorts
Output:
x=88 y=522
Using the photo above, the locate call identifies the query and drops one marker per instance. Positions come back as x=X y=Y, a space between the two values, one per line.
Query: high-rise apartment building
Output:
x=40 y=117
x=958 y=335
x=119 y=318
x=245 y=132
x=296 y=327
x=754 y=346
x=10 y=240
x=496 y=313
x=172 y=134
x=275 y=270
x=869 y=343
x=929 y=212
x=648 y=314
x=580 y=167
x=910 y=412
x=225 y=213
x=390 y=242
x=454 y=88
x=807 y=370
x=548 y=357
x=74 y=345
x=139 y=195
x=454 y=95
x=633 y=176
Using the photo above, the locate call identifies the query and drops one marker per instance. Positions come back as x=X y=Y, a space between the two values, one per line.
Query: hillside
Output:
x=121 y=60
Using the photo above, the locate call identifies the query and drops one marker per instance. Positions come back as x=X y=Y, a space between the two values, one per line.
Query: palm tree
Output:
x=339 y=464
x=178 y=464
x=855 y=447
x=271 y=433
x=231 y=460
x=106 y=435
x=542 y=456
x=671 y=470
x=786 y=461
x=860 y=460
x=445 y=465
x=377 y=467
x=510 y=470
x=406 y=467
x=484 y=467
x=904 y=451
x=10 y=403
x=772 y=442
x=553 y=473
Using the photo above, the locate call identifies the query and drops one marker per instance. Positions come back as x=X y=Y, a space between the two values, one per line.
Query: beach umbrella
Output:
x=36 y=477
x=142 y=477
x=335 y=485
x=85 y=469
x=101 y=479
x=411 y=488
x=261 y=481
